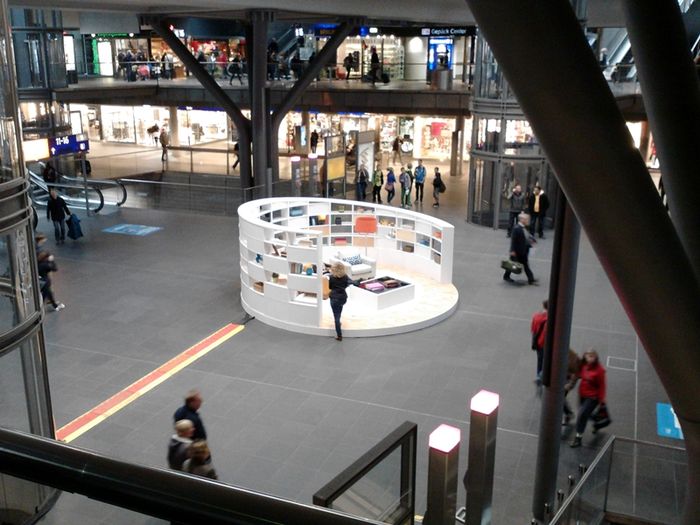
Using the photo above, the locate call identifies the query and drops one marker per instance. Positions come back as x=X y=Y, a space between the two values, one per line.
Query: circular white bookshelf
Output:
x=284 y=243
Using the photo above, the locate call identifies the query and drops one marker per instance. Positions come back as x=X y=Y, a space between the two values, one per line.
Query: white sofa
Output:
x=365 y=269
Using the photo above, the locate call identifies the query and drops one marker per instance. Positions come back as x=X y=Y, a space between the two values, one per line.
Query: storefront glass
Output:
x=118 y=123
x=520 y=139
x=433 y=137
x=197 y=126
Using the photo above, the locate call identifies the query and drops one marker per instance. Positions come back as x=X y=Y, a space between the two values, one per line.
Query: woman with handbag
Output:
x=389 y=187
x=591 y=392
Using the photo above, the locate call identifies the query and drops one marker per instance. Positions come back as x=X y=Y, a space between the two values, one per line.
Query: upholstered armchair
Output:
x=357 y=266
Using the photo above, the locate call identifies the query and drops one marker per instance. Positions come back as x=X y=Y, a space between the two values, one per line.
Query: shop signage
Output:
x=325 y=29
x=667 y=424
x=68 y=144
x=444 y=31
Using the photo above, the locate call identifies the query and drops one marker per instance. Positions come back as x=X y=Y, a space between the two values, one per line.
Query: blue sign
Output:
x=68 y=144
x=132 y=229
x=667 y=424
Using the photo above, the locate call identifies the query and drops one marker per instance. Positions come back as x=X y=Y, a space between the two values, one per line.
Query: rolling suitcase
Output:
x=74 y=229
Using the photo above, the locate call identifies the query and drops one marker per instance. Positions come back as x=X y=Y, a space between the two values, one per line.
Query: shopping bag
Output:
x=512 y=266
x=601 y=416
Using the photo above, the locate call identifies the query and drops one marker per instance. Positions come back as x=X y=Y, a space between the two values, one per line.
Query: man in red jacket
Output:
x=538 y=328
x=591 y=392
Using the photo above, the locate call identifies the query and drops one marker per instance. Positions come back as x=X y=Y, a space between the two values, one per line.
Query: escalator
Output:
x=73 y=190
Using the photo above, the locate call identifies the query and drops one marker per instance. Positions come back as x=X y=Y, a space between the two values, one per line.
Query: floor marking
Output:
x=622 y=363
x=98 y=414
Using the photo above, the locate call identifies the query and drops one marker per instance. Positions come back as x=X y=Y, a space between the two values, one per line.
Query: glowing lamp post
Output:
x=443 y=461
x=482 y=456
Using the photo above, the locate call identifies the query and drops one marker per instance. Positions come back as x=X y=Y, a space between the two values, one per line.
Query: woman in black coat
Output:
x=338 y=282
x=56 y=210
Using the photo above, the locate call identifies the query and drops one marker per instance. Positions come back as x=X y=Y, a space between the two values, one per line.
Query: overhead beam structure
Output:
x=573 y=113
x=209 y=83
x=671 y=93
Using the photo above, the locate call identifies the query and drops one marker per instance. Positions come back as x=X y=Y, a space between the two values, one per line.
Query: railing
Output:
x=158 y=492
x=631 y=479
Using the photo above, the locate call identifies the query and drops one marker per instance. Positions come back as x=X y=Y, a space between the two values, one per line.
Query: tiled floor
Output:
x=286 y=412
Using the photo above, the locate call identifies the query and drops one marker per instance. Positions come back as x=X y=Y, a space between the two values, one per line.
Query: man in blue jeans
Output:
x=56 y=210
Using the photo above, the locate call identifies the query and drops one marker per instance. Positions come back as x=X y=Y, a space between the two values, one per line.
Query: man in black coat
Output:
x=189 y=410
x=56 y=210
x=538 y=205
x=520 y=242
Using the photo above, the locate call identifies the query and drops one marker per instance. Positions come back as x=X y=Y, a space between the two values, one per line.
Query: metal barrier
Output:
x=157 y=492
x=628 y=479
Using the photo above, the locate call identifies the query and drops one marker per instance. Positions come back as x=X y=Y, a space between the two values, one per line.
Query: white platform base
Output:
x=432 y=303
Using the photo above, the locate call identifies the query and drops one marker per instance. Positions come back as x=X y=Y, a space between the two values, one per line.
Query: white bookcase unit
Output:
x=284 y=241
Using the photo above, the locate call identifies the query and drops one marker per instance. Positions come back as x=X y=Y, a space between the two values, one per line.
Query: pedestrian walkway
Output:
x=287 y=412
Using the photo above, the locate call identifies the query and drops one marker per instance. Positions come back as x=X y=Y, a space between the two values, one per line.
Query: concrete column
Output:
x=306 y=123
x=174 y=126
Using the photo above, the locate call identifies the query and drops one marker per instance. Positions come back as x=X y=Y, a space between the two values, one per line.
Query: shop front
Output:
x=106 y=47
x=201 y=125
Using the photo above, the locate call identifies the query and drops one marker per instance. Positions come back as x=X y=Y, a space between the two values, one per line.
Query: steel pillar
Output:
x=556 y=354
x=671 y=95
x=208 y=83
x=257 y=80
x=293 y=95
x=574 y=115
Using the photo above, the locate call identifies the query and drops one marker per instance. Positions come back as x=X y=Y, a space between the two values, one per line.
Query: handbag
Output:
x=601 y=416
x=512 y=266
x=389 y=186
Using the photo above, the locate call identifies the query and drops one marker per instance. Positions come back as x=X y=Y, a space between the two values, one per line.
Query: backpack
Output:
x=443 y=188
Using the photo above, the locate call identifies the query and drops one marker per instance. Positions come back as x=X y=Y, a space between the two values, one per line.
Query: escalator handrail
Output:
x=99 y=193
x=95 y=183
x=91 y=183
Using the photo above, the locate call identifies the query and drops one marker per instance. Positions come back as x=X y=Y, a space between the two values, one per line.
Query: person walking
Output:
x=520 y=243
x=234 y=69
x=164 y=139
x=46 y=265
x=573 y=370
x=313 y=140
x=419 y=180
x=377 y=183
x=56 y=210
x=517 y=203
x=237 y=153
x=438 y=187
x=591 y=391
x=199 y=462
x=338 y=282
x=190 y=410
x=179 y=445
x=396 y=151
x=348 y=63
x=390 y=182
x=374 y=65
x=362 y=178
x=538 y=203
x=538 y=329
x=405 y=181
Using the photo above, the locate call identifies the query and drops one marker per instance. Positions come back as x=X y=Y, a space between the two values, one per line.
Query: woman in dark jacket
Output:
x=437 y=187
x=338 y=282
x=56 y=210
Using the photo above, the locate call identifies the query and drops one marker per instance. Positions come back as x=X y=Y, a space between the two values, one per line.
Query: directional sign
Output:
x=667 y=424
x=68 y=144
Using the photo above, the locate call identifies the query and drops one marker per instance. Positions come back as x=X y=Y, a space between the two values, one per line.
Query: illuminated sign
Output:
x=68 y=144
x=443 y=31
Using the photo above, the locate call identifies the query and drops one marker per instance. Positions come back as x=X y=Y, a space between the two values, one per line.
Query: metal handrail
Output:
x=106 y=183
x=39 y=182
x=589 y=472
x=158 y=492
x=91 y=183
